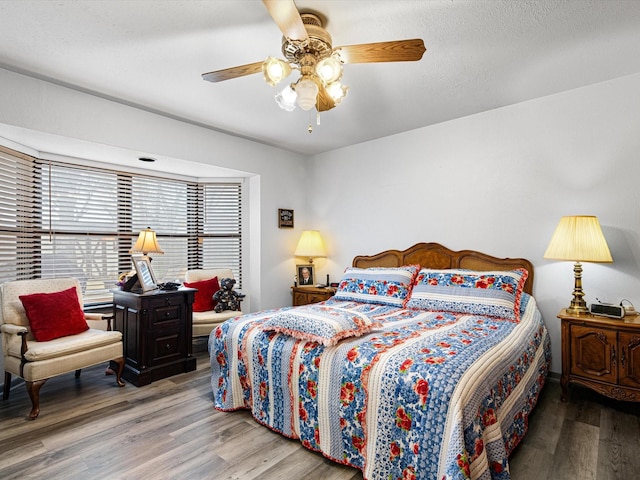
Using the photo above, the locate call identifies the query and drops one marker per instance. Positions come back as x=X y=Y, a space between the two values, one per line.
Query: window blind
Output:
x=19 y=217
x=221 y=237
x=58 y=219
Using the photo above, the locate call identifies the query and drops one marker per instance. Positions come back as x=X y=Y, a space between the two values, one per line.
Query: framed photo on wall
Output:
x=285 y=218
x=146 y=278
x=306 y=275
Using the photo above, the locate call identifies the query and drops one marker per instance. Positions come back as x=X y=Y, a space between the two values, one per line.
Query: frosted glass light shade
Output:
x=310 y=245
x=307 y=91
x=337 y=91
x=146 y=243
x=329 y=70
x=286 y=99
x=275 y=70
x=579 y=239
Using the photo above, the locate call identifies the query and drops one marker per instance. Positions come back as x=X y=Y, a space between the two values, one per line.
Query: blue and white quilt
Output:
x=424 y=395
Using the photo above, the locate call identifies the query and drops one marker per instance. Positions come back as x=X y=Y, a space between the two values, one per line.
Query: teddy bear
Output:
x=227 y=297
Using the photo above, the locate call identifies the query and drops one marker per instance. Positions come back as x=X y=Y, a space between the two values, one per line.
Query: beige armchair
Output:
x=35 y=361
x=205 y=322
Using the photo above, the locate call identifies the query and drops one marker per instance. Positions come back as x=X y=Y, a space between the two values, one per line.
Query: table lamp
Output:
x=146 y=243
x=579 y=239
x=310 y=245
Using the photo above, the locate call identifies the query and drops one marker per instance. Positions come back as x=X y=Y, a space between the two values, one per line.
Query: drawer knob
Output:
x=167 y=314
x=168 y=346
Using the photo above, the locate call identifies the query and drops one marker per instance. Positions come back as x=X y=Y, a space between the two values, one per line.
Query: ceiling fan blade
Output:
x=287 y=17
x=394 y=51
x=324 y=101
x=233 y=72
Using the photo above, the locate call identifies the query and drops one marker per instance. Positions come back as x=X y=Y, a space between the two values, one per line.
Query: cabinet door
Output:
x=629 y=359
x=593 y=353
x=300 y=298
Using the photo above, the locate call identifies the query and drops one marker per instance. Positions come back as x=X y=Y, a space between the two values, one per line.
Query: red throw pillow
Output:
x=204 y=301
x=54 y=315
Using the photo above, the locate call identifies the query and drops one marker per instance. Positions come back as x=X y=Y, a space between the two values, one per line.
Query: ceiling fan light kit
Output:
x=307 y=47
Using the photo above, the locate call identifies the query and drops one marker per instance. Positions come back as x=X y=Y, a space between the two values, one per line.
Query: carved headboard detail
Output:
x=434 y=255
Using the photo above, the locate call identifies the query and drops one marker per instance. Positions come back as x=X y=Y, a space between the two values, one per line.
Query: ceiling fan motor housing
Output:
x=318 y=44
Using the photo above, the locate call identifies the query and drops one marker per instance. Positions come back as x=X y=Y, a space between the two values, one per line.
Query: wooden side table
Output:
x=601 y=353
x=156 y=331
x=307 y=295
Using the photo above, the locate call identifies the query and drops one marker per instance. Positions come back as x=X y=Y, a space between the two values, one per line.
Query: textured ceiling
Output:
x=481 y=55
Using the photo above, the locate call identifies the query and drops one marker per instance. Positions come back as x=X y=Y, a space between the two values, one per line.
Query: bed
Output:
x=426 y=364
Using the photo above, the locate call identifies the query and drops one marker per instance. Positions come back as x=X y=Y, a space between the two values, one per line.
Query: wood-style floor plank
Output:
x=90 y=428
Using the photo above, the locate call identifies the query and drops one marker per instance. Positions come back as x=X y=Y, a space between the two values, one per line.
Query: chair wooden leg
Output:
x=7 y=386
x=33 y=389
x=78 y=373
x=120 y=362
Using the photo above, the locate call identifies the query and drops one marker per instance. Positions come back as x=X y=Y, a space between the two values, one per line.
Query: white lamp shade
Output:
x=310 y=245
x=579 y=239
x=146 y=243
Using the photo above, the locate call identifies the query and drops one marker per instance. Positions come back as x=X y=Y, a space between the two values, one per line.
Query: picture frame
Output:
x=285 y=218
x=305 y=275
x=144 y=271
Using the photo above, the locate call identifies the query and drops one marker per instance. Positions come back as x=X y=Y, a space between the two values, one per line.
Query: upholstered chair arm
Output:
x=23 y=347
x=12 y=329
x=97 y=317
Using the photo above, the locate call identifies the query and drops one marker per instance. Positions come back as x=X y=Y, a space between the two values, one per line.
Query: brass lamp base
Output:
x=578 y=305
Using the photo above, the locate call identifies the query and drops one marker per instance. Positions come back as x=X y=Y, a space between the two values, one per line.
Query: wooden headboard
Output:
x=434 y=255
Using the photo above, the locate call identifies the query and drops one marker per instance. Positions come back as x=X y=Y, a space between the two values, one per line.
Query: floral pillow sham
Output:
x=491 y=293
x=382 y=285
x=326 y=325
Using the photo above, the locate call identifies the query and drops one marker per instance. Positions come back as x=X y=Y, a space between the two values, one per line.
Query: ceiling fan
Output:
x=307 y=47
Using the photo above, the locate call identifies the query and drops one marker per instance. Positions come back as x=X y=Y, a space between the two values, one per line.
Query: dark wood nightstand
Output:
x=601 y=353
x=307 y=295
x=156 y=331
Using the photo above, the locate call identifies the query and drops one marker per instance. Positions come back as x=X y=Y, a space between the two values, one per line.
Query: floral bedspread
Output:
x=429 y=395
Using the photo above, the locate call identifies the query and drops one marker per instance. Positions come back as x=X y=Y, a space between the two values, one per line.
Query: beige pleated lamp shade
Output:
x=310 y=245
x=579 y=239
x=146 y=243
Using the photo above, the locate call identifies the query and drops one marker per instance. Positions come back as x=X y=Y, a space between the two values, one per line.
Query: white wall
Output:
x=498 y=182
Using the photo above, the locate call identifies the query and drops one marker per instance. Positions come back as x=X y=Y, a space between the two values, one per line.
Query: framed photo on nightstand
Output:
x=306 y=277
x=146 y=278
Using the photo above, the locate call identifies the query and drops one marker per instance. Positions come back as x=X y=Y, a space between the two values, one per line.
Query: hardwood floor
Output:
x=90 y=428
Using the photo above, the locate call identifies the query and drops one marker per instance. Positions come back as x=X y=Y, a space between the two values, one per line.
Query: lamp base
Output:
x=578 y=305
x=578 y=310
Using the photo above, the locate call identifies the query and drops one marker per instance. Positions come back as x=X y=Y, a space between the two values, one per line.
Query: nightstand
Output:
x=601 y=353
x=307 y=295
x=156 y=331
